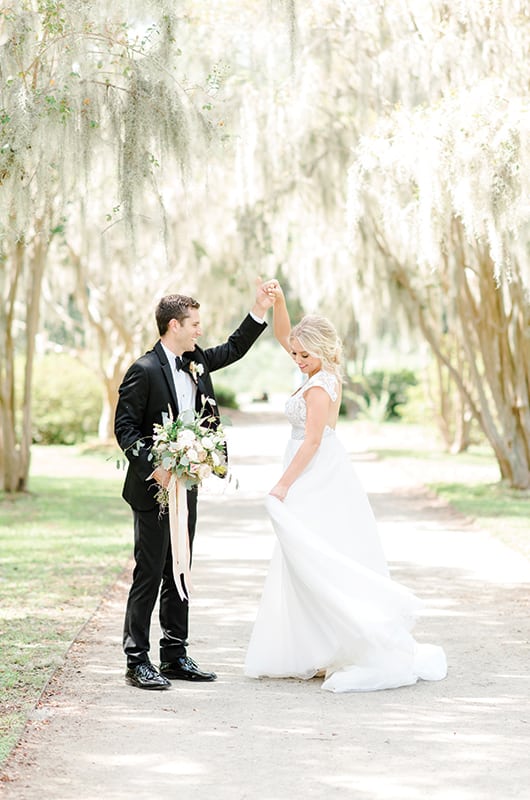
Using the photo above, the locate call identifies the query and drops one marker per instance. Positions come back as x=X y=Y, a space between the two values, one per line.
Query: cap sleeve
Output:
x=326 y=380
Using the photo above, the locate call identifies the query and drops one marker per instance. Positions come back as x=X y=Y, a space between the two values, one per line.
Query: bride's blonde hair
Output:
x=317 y=335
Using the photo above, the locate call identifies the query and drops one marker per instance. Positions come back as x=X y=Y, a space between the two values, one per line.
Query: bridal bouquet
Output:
x=188 y=449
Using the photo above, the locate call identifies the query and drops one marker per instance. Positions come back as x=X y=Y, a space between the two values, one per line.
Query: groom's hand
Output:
x=264 y=298
x=161 y=476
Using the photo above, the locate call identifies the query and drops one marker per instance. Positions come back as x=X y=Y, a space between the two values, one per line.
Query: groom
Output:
x=175 y=373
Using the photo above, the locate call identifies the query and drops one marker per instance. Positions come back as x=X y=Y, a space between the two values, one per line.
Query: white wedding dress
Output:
x=328 y=604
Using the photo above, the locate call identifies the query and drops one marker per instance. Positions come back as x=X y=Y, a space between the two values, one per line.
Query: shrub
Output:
x=66 y=401
x=226 y=397
x=379 y=393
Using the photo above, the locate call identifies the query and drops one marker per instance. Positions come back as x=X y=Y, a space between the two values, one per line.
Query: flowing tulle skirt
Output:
x=328 y=603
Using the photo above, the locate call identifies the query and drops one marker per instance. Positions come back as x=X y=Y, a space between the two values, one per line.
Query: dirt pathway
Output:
x=466 y=738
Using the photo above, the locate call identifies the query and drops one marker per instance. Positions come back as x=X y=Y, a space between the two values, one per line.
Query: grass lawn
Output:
x=61 y=546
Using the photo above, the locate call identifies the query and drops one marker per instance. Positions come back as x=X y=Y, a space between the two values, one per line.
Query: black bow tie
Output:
x=178 y=363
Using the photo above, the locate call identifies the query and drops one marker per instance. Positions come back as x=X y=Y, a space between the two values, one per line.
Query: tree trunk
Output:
x=462 y=431
x=490 y=317
x=113 y=336
x=491 y=326
x=23 y=287
x=110 y=400
x=33 y=294
x=452 y=412
x=13 y=478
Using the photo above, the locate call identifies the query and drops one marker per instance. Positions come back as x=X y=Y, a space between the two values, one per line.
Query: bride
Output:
x=328 y=605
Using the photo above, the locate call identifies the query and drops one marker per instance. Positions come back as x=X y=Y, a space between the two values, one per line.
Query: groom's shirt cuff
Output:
x=257 y=319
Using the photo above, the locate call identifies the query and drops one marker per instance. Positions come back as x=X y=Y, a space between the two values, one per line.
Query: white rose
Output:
x=192 y=455
x=185 y=438
x=204 y=471
x=208 y=442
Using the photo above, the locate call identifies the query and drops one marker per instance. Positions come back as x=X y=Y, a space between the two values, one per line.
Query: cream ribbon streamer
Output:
x=178 y=532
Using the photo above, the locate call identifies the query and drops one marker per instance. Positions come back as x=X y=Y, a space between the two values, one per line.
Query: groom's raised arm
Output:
x=235 y=347
x=242 y=339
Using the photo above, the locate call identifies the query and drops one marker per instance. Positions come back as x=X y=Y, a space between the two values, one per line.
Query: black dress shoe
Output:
x=185 y=669
x=146 y=676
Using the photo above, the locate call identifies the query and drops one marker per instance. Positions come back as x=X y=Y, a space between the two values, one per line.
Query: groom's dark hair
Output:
x=173 y=306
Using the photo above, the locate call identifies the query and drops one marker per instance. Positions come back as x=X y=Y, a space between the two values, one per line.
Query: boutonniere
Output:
x=196 y=370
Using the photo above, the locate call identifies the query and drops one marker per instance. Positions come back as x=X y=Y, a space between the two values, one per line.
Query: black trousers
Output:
x=153 y=572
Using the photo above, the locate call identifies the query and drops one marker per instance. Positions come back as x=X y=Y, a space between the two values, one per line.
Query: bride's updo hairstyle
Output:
x=319 y=338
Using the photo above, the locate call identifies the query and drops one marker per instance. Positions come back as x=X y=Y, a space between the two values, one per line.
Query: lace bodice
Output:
x=295 y=407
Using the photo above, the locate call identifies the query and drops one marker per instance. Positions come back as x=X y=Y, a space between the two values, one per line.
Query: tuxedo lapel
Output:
x=205 y=401
x=202 y=391
x=167 y=376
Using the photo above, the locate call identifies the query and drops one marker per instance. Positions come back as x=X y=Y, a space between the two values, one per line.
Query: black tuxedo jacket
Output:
x=147 y=390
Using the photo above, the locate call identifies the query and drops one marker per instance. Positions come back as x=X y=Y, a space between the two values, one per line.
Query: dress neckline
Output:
x=310 y=378
x=304 y=384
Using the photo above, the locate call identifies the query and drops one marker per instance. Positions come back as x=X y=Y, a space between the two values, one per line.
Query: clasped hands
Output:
x=267 y=293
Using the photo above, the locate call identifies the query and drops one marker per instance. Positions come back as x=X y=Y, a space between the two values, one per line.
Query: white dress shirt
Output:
x=185 y=388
